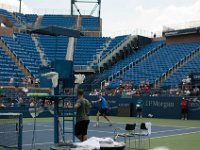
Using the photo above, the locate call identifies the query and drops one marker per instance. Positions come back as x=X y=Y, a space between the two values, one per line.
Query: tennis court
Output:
x=161 y=129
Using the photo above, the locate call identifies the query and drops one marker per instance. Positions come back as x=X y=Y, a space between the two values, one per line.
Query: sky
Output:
x=123 y=16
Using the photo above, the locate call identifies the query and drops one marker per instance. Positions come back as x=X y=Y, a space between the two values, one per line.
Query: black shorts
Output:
x=104 y=111
x=184 y=110
x=81 y=127
x=139 y=109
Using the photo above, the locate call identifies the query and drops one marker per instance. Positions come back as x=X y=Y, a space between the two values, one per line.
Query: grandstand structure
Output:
x=162 y=61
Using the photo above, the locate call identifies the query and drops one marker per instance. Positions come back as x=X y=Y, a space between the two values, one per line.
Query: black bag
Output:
x=130 y=126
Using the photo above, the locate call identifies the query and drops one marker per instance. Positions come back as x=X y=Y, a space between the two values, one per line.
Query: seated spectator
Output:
x=2 y=105
x=137 y=93
x=124 y=93
x=147 y=83
x=186 y=80
x=12 y=80
x=196 y=91
x=145 y=88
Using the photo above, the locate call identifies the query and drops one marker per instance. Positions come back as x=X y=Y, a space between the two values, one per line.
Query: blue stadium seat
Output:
x=133 y=57
x=59 y=20
x=54 y=47
x=114 y=42
x=23 y=54
x=8 y=69
x=27 y=18
x=87 y=48
x=158 y=64
x=176 y=78
x=90 y=23
x=9 y=16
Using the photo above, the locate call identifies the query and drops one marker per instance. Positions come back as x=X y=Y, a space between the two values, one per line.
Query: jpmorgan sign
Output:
x=194 y=105
x=160 y=104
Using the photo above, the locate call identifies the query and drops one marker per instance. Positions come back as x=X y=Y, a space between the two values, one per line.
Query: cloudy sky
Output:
x=123 y=16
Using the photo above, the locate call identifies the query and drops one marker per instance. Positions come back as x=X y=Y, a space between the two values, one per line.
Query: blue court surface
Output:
x=44 y=135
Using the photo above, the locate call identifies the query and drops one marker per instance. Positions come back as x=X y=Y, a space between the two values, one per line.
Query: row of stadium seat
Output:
x=27 y=43
x=27 y=18
x=59 y=20
x=8 y=69
x=88 y=23
x=133 y=57
x=176 y=78
x=53 y=47
x=7 y=14
x=117 y=40
x=158 y=64
x=87 y=48
x=23 y=54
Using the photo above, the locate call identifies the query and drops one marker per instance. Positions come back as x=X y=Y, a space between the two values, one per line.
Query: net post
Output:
x=20 y=128
x=56 y=121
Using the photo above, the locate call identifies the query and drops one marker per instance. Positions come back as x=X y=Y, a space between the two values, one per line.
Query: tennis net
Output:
x=10 y=131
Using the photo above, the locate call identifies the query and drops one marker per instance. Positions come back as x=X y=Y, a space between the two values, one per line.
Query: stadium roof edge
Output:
x=58 y=31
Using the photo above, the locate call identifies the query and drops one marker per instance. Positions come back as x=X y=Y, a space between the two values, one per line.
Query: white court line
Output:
x=38 y=130
x=173 y=130
x=122 y=123
x=109 y=131
x=174 y=126
x=175 y=135
x=44 y=143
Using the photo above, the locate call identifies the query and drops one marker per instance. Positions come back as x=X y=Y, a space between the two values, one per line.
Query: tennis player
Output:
x=103 y=110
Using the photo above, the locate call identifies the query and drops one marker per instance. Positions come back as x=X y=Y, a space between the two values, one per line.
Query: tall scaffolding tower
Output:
x=96 y=7
x=76 y=7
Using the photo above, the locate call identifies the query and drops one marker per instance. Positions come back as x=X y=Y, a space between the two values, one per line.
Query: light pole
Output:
x=20 y=6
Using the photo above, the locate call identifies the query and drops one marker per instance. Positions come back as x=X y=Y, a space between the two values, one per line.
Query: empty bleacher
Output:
x=158 y=64
x=27 y=43
x=31 y=18
x=59 y=20
x=27 y=18
x=87 y=48
x=53 y=47
x=90 y=23
x=22 y=54
x=133 y=57
x=8 y=69
x=7 y=14
x=113 y=43
x=176 y=78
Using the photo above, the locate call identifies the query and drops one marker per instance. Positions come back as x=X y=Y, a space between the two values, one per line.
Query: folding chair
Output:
x=128 y=133
x=144 y=131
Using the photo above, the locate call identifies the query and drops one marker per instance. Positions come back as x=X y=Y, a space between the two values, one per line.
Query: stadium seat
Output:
x=87 y=48
x=23 y=53
x=27 y=18
x=7 y=14
x=158 y=64
x=59 y=20
x=8 y=69
x=53 y=47
x=90 y=23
